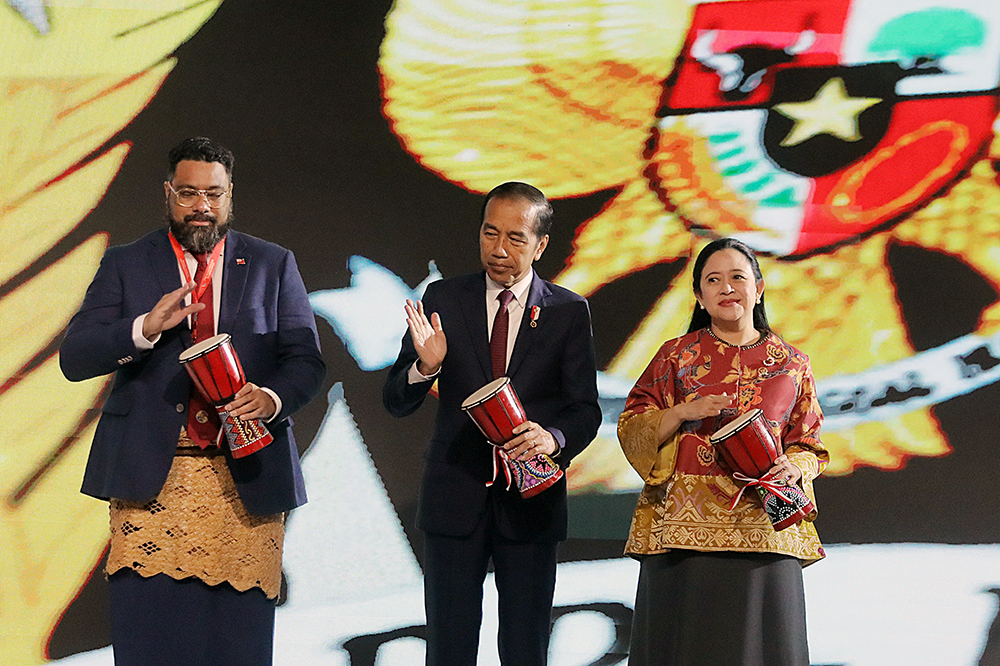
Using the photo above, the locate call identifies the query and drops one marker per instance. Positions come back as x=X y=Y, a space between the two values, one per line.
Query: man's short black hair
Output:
x=533 y=195
x=200 y=149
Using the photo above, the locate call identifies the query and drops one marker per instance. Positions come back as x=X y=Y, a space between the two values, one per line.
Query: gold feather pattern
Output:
x=559 y=94
x=67 y=90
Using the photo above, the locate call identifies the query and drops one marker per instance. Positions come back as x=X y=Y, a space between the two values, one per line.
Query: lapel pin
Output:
x=535 y=311
x=240 y=261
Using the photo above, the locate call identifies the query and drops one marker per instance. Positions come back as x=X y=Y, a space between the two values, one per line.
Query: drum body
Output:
x=215 y=370
x=496 y=411
x=747 y=444
x=786 y=509
x=749 y=447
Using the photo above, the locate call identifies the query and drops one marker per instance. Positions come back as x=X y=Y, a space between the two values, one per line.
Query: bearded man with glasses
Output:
x=194 y=568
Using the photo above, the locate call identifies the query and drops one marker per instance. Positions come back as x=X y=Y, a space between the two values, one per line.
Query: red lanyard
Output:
x=206 y=278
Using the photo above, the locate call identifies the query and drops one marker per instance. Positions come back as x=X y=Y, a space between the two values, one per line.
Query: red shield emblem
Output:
x=798 y=125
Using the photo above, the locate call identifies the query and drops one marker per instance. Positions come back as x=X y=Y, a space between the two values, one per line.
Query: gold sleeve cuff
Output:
x=809 y=463
x=637 y=433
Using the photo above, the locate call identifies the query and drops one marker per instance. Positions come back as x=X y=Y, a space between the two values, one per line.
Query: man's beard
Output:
x=198 y=240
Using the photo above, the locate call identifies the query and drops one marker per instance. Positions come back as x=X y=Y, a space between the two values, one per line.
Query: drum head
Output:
x=197 y=349
x=484 y=393
x=734 y=425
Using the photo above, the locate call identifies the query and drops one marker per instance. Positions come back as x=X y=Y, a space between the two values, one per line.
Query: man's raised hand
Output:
x=169 y=311
x=428 y=338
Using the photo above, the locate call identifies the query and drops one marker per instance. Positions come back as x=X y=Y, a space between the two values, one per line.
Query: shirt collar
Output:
x=519 y=288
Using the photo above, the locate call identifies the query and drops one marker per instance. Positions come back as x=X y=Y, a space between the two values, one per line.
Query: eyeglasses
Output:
x=188 y=197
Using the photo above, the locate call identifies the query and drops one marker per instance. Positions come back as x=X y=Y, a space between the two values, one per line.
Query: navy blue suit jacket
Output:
x=553 y=370
x=264 y=307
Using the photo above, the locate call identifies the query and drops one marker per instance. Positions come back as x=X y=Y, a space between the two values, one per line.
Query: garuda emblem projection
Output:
x=823 y=134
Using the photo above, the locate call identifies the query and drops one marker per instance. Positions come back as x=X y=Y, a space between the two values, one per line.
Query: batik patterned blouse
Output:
x=686 y=500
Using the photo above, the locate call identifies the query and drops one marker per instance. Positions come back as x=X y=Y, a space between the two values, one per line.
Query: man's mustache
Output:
x=199 y=217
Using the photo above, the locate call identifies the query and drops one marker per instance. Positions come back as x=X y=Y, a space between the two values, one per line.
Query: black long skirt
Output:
x=719 y=609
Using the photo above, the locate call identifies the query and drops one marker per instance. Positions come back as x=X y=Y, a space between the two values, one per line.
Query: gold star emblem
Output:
x=831 y=111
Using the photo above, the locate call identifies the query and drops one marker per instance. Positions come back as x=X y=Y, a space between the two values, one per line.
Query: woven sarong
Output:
x=197 y=526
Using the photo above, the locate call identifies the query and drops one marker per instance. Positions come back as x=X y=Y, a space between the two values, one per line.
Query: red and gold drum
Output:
x=496 y=411
x=215 y=369
x=749 y=447
x=747 y=444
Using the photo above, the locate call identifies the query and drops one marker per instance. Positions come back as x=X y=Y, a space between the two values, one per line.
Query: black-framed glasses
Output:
x=187 y=196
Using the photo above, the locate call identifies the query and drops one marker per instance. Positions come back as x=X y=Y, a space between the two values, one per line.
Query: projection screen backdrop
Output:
x=853 y=143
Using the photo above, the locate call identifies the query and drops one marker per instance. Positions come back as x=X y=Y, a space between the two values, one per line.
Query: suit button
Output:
x=179 y=407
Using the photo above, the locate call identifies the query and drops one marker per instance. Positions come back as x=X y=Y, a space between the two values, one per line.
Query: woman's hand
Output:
x=703 y=406
x=785 y=470
x=694 y=410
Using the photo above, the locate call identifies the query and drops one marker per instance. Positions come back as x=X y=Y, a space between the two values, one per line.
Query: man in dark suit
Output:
x=470 y=517
x=195 y=560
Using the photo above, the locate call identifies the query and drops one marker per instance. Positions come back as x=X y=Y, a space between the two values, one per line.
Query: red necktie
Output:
x=498 y=338
x=203 y=421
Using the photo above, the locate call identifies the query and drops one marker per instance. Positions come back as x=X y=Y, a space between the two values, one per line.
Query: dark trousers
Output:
x=454 y=573
x=161 y=621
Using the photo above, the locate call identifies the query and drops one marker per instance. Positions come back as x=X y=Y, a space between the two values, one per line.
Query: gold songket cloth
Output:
x=686 y=500
x=197 y=526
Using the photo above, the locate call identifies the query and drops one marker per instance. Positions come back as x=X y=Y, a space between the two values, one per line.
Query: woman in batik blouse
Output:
x=720 y=587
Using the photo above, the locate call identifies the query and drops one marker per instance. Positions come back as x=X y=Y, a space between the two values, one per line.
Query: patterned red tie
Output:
x=203 y=421
x=498 y=338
